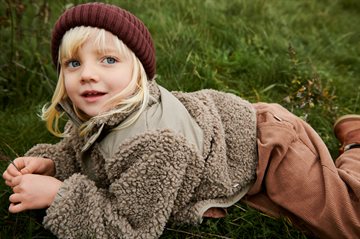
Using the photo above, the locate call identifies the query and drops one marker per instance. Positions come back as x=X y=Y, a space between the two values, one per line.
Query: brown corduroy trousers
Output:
x=297 y=177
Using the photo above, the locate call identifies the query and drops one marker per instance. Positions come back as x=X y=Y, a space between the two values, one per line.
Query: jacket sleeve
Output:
x=147 y=175
x=62 y=154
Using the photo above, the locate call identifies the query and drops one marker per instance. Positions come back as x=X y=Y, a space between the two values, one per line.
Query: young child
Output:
x=134 y=155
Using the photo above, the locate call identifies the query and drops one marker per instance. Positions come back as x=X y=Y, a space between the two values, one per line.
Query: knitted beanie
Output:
x=116 y=20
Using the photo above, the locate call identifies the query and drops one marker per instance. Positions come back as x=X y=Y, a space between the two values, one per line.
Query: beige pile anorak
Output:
x=183 y=155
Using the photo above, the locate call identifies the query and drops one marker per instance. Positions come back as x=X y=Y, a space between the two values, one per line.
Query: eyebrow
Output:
x=106 y=50
x=98 y=51
x=64 y=59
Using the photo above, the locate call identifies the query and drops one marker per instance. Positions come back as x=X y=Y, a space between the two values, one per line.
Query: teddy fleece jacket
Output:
x=187 y=152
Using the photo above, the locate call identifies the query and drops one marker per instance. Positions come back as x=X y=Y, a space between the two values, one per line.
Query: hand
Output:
x=28 y=165
x=215 y=212
x=32 y=191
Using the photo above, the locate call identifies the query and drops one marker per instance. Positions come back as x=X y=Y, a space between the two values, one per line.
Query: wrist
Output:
x=57 y=194
x=50 y=167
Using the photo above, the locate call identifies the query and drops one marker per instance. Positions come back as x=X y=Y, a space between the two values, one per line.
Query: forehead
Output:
x=101 y=41
x=77 y=37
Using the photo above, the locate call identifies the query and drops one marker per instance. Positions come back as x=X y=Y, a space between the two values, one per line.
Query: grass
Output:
x=301 y=54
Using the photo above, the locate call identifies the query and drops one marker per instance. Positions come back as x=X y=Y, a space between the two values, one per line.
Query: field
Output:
x=303 y=54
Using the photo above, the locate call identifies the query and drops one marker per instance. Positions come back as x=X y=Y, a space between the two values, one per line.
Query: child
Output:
x=135 y=155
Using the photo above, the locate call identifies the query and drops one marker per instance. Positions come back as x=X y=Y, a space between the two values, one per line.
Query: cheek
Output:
x=124 y=84
x=118 y=84
x=69 y=88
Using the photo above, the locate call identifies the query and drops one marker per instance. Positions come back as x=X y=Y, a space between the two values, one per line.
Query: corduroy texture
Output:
x=297 y=178
x=116 y=20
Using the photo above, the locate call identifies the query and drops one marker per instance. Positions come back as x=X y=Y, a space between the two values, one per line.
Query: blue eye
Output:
x=73 y=63
x=109 y=60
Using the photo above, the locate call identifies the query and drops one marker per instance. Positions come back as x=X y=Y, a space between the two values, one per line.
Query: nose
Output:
x=88 y=74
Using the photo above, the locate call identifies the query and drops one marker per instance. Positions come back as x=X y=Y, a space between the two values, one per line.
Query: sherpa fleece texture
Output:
x=154 y=176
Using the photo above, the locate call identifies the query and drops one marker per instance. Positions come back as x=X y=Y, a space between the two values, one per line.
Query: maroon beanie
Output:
x=119 y=22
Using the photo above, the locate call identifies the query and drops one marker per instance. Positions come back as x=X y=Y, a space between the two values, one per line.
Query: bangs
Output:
x=74 y=39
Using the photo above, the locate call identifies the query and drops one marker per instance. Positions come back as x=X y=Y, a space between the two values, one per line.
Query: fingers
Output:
x=32 y=165
x=11 y=172
x=16 y=189
x=28 y=169
x=16 y=208
x=15 y=198
x=16 y=205
x=9 y=178
x=33 y=191
x=8 y=183
x=22 y=163
x=18 y=163
x=36 y=165
x=13 y=181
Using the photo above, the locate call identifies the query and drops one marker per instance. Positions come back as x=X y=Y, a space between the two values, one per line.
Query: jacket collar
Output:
x=66 y=106
x=105 y=122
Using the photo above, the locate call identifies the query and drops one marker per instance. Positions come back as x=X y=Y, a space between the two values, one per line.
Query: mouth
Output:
x=92 y=95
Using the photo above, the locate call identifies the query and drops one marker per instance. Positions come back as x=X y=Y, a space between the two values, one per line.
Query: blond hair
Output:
x=71 y=43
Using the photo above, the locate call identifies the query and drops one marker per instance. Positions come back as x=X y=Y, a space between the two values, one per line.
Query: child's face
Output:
x=94 y=76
